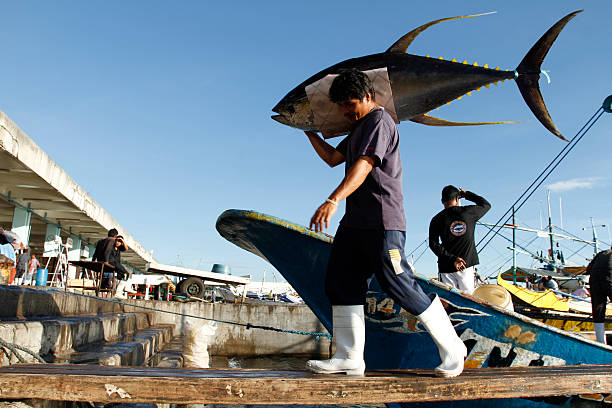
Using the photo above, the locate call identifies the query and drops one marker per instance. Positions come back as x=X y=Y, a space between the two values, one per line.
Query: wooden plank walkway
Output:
x=231 y=386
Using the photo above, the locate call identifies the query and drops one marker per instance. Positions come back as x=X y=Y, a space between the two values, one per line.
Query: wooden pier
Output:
x=233 y=386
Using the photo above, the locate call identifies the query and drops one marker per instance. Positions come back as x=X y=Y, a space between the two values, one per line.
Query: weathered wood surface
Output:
x=231 y=386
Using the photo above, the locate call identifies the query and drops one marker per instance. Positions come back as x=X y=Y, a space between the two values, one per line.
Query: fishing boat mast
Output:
x=595 y=246
x=513 y=246
x=550 y=236
x=595 y=239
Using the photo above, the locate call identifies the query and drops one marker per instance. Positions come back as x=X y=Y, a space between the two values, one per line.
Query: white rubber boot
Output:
x=120 y=291
x=19 y=281
x=128 y=288
x=451 y=348
x=349 y=335
x=600 y=332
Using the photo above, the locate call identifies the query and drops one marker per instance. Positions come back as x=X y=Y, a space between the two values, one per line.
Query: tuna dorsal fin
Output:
x=402 y=44
x=433 y=121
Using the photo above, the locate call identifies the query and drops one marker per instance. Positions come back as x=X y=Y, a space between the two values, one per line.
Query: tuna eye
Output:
x=290 y=109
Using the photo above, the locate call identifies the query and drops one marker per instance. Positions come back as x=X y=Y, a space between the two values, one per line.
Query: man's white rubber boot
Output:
x=451 y=348
x=349 y=335
x=128 y=288
x=120 y=291
x=600 y=332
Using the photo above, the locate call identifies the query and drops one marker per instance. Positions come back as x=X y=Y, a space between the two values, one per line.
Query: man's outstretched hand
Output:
x=321 y=217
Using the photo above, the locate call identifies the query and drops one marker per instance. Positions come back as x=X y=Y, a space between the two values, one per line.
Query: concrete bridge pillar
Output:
x=88 y=251
x=22 y=224
x=51 y=248
x=74 y=254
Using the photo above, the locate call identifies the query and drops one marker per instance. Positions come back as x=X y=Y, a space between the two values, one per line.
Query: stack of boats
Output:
x=558 y=308
x=554 y=304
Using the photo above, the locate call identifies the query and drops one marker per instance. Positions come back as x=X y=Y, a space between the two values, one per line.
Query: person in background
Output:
x=550 y=283
x=451 y=237
x=102 y=253
x=477 y=278
x=22 y=266
x=33 y=265
x=121 y=273
x=9 y=243
x=600 y=283
x=582 y=292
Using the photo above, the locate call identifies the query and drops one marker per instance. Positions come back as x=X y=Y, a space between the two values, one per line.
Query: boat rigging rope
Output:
x=542 y=177
x=599 y=241
x=421 y=254
x=509 y=240
x=415 y=249
x=246 y=325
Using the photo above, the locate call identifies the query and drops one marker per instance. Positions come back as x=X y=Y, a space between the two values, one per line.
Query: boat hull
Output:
x=394 y=338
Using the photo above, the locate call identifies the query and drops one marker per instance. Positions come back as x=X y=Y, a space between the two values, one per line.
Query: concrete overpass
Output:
x=40 y=202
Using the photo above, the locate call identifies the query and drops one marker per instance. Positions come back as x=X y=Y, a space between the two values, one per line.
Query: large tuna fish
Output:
x=419 y=84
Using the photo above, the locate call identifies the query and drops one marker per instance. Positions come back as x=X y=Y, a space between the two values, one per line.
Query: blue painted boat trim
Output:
x=494 y=336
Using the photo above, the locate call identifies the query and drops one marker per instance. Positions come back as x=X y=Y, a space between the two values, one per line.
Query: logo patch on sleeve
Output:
x=396 y=260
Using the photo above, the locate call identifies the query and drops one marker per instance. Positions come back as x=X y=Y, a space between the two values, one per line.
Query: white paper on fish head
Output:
x=328 y=116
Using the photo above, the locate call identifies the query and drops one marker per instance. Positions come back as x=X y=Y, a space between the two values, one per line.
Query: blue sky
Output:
x=178 y=96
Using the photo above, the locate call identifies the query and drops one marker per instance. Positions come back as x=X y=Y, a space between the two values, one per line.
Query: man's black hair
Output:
x=449 y=193
x=113 y=232
x=350 y=84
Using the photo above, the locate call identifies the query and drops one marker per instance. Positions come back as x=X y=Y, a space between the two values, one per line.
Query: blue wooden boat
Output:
x=494 y=336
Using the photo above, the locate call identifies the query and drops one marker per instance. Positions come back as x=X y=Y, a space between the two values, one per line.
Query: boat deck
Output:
x=239 y=386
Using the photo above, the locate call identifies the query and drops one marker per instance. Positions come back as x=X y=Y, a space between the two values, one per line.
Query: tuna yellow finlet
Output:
x=475 y=64
x=486 y=66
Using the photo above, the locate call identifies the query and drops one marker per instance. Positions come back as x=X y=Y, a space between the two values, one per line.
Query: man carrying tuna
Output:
x=370 y=238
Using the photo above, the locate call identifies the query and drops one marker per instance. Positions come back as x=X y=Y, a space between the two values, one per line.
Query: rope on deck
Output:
x=246 y=325
x=253 y=326
x=13 y=349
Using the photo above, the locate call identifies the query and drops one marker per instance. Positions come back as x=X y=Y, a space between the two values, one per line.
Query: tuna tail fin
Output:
x=529 y=74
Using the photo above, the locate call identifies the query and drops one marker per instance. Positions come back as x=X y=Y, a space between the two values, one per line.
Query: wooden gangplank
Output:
x=234 y=386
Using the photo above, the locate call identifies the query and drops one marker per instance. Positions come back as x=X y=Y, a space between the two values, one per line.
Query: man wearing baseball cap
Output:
x=451 y=237
x=9 y=243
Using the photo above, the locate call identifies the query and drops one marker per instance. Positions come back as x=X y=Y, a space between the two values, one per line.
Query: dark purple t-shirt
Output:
x=378 y=203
